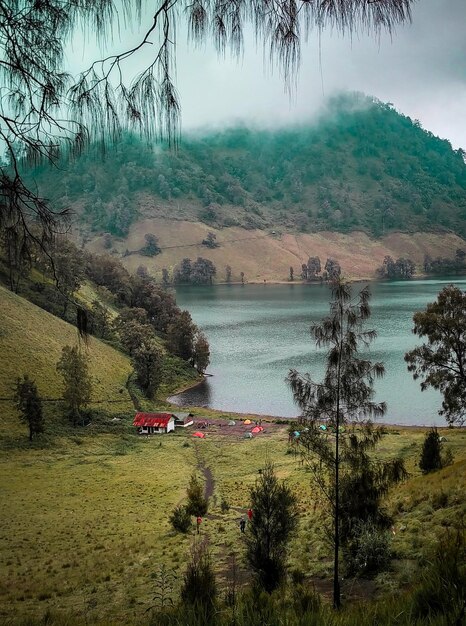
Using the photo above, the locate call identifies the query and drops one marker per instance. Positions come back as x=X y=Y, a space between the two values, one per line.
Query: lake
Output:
x=258 y=332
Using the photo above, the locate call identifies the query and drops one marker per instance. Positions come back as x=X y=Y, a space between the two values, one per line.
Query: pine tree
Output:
x=29 y=405
x=345 y=394
x=78 y=385
x=431 y=459
x=197 y=503
x=273 y=521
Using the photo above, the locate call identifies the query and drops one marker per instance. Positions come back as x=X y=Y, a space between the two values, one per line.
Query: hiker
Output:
x=242 y=524
x=198 y=522
x=250 y=514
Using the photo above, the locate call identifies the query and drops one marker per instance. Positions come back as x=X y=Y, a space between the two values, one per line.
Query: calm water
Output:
x=258 y=332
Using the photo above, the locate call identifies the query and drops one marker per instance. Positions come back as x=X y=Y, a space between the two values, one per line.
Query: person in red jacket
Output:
x=198 y=522
x=249 y=514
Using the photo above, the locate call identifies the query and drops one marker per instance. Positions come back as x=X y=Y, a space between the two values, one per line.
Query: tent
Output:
x=296 y=434
x=247 y=422
x=257 y=429
x=323 y=427
x=247 y=436
x=200 y=435
x=232 y=423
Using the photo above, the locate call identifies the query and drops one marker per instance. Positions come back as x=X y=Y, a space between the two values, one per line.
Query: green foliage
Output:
x=443 y=584
x=73 y=366
x=29 y=405
x=442 y=265
x=147 y=361
x=431 y=459
x=201 y=352
x=441 y=362
x=201 y=272
x=197 y=503
x=401 y=269
x=180 y=519
x=151 y=247
x=350 y=481
x=368 y=550
x=199 y=588
x=274 y=519
x=180 y=336
x=390 y=174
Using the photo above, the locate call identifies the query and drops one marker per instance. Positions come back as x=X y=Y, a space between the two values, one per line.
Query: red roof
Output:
x=155 y=420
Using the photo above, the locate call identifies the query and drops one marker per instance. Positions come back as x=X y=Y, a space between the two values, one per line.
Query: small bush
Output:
x=439 y=500
x=199 y=589
x=430 y=456
x=224 y=506
x=180 y=519
x=197 y=504
x=369 y=551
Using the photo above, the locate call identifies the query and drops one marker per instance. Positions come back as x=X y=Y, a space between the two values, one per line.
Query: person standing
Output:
x=242 y=524
x=249 y=514
x=198 y=522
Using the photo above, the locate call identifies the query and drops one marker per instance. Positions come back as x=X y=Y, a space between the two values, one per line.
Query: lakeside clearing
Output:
x=87 y=527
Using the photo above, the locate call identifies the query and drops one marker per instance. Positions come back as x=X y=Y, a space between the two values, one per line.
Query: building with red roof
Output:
x=154 y=423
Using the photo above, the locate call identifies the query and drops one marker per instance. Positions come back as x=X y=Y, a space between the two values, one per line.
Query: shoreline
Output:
x=351 y=279
x=219 y=413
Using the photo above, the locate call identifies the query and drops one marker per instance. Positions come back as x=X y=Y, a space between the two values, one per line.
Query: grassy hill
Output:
x=31 y=341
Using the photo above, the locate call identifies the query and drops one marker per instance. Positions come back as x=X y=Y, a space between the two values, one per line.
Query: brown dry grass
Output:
x=261 y=255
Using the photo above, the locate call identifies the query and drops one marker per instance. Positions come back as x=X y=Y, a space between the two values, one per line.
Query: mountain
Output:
x=360 y=167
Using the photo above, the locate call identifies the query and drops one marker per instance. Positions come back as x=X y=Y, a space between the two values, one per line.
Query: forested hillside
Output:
x=361 y=166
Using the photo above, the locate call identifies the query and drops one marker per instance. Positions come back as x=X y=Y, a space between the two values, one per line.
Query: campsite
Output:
x=110 y=537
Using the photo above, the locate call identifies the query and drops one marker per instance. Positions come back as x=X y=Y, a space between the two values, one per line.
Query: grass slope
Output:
x=31 y=341
x=97 y=513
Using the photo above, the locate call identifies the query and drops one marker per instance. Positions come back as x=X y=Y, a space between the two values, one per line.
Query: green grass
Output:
x=31 y=341
x=86 y=523
x=86 y=526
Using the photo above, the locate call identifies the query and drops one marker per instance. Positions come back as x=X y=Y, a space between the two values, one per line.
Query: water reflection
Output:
x=200 y=395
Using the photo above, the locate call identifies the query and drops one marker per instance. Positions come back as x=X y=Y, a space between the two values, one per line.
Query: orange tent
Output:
x=200 y=435
x=247 y=422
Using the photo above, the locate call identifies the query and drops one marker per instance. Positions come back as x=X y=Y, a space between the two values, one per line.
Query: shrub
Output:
x=430 y=456
x=224 y=506
x=180 y=519
x=368 y=551
x=442 y=590
x=199 y=589
x=275 y=517
x=197 y=504
x=440 y=500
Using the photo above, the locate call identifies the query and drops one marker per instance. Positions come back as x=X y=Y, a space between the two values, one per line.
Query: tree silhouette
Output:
x=345 y=394
x=441 y=362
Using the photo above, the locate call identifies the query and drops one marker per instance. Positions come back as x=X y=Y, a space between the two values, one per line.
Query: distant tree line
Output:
x=312 y=270
x=200 y=272
x=401 y=269
x=443 y=265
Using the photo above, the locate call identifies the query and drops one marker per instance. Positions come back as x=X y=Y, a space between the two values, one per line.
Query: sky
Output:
x=421 y=69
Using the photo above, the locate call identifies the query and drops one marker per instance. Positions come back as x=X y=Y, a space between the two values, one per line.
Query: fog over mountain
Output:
x=421 y=68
